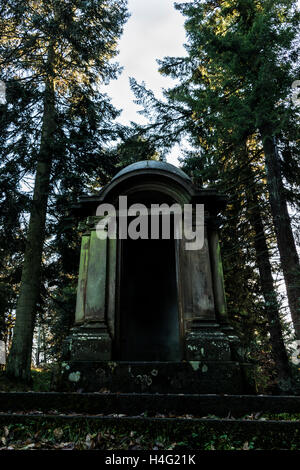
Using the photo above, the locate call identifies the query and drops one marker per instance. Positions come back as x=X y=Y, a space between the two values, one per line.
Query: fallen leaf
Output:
x=89 y=441
x=29 y=446
x=58 y=433
x=246 y=446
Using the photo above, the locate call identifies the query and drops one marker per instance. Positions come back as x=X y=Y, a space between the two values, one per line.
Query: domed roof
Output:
x=151 y=165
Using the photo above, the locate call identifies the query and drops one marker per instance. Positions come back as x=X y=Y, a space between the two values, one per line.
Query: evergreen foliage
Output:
x=56 y=124
x=232 y=101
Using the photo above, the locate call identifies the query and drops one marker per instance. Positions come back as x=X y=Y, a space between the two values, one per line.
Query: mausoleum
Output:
x=151 y=314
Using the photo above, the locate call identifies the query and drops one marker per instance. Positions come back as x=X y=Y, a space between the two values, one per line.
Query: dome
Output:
x=151 y=165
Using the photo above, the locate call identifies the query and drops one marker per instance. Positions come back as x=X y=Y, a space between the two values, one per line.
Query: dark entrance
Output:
x=149 y=321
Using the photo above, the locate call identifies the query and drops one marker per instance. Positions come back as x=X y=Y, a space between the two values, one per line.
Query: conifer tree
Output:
x=61 y=52
x=233 y=87
x=248 y=58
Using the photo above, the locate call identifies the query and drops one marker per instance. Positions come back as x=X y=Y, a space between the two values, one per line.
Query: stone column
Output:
x=196 y=284
x=219 y=290
x=96 y=280
x=91 y=341
x=217 y=272
x=111 y=282
x=82 y=279
x=204 y=340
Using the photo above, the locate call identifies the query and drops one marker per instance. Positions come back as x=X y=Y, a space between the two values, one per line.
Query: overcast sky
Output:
x=154 y=30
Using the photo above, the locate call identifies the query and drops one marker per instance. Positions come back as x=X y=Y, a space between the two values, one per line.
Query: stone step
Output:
x=193 y=433
x=137 y=403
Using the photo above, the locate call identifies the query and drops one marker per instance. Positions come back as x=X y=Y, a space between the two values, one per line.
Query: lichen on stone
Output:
x=192 y=348
x=112 y=365
x=74 y=376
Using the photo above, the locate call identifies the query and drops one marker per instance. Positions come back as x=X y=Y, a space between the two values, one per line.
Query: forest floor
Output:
x=95 y=433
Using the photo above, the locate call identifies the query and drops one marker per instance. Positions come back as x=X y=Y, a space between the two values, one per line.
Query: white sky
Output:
x=154 y=30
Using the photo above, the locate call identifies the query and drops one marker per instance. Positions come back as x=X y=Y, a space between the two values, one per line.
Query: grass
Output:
x=40 y=382
x=85 y=436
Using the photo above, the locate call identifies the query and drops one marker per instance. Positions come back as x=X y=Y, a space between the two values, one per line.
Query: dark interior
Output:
x=149 y=325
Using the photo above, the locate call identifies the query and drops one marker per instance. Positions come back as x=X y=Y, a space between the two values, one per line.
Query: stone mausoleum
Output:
x=151 y=315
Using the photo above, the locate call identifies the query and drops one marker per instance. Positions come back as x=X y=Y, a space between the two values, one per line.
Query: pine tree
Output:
x=13 y=203
x=233 y=87
x=248 y=46
x=61 y=51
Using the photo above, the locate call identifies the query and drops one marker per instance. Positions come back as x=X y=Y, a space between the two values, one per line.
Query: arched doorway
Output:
x=148 y=320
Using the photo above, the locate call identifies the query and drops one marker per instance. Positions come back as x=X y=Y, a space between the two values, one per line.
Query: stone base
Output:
x=157 y=377
x=213 y=365
x=207 y=343
x=87 y=343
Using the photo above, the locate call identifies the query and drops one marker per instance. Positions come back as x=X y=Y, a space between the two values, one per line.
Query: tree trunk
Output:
x=286 y=244
x=279 y=353
x=38 y=347
x=44 y=345
x=19 y=360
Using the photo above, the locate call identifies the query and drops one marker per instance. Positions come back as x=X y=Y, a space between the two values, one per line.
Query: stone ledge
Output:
x=157 y=377
x=106 y=403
